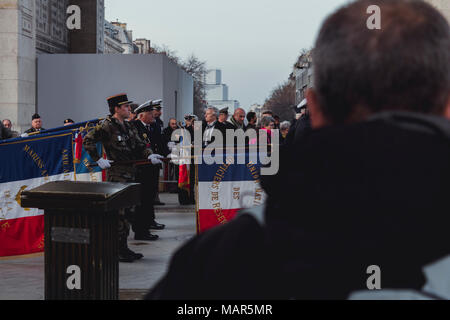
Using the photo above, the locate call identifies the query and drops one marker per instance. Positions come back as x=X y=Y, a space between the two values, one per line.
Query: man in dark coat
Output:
x=5 y=133
x=144 y=219
x=366 y=189
x=36 y=124
x=158 y=143
x=210 y=124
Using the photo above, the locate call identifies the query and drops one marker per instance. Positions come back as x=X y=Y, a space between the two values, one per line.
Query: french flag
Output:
x=26 y=163
x=224 y=189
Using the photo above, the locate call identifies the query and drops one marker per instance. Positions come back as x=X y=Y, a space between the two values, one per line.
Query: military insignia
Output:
x=145 y=136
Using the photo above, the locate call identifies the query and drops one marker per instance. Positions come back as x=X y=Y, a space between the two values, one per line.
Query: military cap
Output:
x=300 y=106
x=68 y=121
x=224 y=110
x=118 y=100
x=146 y=106
x=35 y=116
x=156 y=104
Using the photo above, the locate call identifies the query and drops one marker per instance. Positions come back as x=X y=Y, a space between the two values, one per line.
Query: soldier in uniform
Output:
x=36 y=124
x=147 y=175
x=158 y=143
x=121 y=143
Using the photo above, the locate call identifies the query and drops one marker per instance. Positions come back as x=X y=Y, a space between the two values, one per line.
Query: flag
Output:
x=27 y=163
x=224 y=189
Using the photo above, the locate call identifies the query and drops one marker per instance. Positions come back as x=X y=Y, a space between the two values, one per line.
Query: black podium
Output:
x=81 y=236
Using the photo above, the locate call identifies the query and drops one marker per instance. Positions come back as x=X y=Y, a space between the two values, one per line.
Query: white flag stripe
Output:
x=230 y=195
x=10 y=196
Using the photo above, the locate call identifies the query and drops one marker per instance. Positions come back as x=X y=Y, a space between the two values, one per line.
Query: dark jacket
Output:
x=298 y=129
x=218 y=126
x=345 y=198
x=33 y=130
x=159 y=146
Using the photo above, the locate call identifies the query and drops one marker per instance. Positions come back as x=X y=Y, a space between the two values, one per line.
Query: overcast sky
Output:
x=254 y=42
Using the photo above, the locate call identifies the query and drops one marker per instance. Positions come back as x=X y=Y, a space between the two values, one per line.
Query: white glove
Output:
x=104 y=163
x=171 y=145
x=24 y=135
x=155 y=158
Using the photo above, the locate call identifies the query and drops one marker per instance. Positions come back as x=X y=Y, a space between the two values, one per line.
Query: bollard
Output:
x=81 y=236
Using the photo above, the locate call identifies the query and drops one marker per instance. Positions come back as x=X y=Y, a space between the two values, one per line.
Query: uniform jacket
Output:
x=346 y=197
x=32 y=130
x=159 y=146
x=121 y=143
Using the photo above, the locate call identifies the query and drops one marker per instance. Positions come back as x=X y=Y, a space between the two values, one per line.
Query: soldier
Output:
x=36 y=124
x=148 y=174
x=121 y=143
x=158 y=143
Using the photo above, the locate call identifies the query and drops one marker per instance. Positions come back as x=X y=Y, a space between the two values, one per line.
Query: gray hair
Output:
x=216 y=111
x=265 y=121
x=285 y=125
x=404 y=66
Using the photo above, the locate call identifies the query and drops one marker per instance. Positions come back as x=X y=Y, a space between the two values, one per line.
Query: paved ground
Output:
x=23 y=278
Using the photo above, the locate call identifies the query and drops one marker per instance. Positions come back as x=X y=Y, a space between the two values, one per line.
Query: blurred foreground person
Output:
x=366 y=188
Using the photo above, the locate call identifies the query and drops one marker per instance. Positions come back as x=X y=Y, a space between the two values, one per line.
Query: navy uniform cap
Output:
x=35 y=116
x=224 y=110
x=156 y=104
x=146 y=106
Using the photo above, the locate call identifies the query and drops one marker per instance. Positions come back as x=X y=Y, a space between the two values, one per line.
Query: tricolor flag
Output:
x=26 y=163
x=224 y=189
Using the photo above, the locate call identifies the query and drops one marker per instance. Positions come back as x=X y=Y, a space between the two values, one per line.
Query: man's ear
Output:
x=318 y=119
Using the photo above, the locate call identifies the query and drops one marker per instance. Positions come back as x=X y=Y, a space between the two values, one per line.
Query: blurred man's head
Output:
x=403 y=66
x=251 y=118
x=173 y=123
x=146 y=116
x=223 y=115
x=7 y=123
x=36 y=121
x=239 y=115
x=211 y=114
x=133 y=115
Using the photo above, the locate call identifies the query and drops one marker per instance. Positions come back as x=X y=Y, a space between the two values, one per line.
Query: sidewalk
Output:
x=23 y=279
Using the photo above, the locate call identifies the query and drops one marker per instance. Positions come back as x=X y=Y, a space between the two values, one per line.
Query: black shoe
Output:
x=159 y=203
x=157 y=226
x=136 y=255
x=126 y=256
x=146 y=237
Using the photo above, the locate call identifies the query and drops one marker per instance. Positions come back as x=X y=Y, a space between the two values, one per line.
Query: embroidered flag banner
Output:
x=224 y=189
x=27 y=163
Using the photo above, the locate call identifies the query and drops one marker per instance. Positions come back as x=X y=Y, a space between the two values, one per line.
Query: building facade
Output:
x=143 y=45
x=31 y=28
x=304 y=76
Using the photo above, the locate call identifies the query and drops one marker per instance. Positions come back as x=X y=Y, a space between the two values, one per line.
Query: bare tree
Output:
x=282 y=101
x=197 y=69
x=194 y=67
